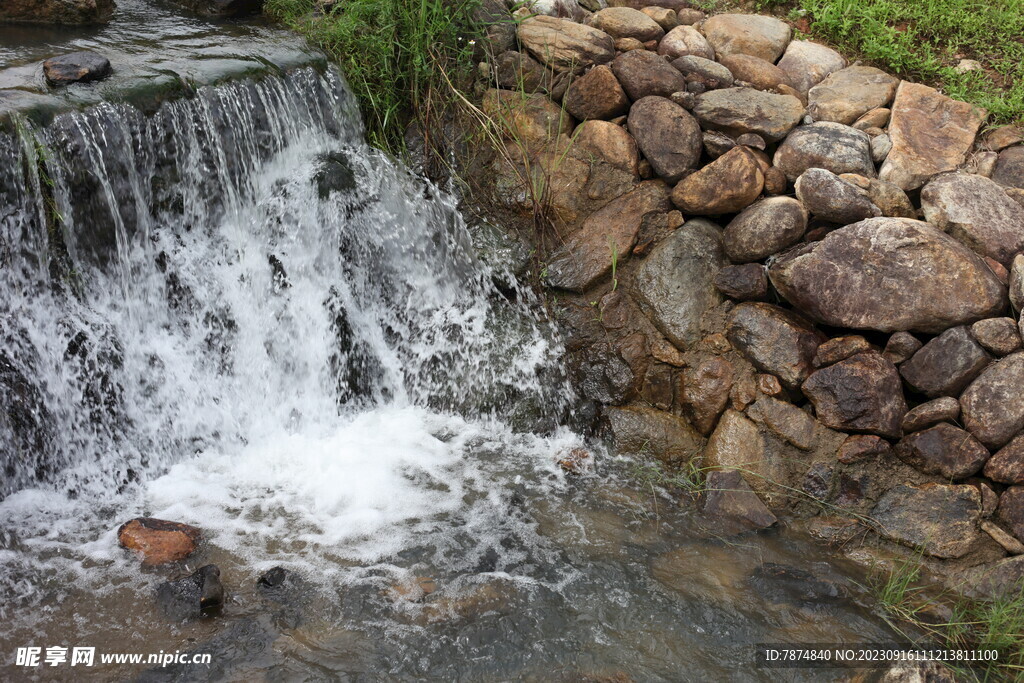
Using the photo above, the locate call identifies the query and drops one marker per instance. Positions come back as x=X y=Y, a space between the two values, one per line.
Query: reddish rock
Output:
x=901 y=346
x=840 y=348
x=769 y=385
x=644 y=73
x=743 y=283
x=945 y=409
x=1011 y=510
x=999 y=336
x=726 y=185
x=945 y=365
x=159 y=541
x=775 y=340
x=858 y=447
x=668 y=136
x=942 y=520
x=991 y=406
x=705 y=392
x=576 y=461
x=596 y=95
x=1007 y=465
x=944 y=450
x=860 y=394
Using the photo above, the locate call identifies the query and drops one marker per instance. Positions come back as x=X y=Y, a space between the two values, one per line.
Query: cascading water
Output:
x=233 y=313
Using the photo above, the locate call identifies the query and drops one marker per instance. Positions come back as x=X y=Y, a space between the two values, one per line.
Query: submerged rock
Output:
x=77 y=67
x=188 y=597
x=727 y=495
x=159 y=541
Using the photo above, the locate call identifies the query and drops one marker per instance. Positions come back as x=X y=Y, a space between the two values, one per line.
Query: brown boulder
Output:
x=991 y=406
x=159 y=541
x=747 y=110
x=785 y=420
x=534 y=121
x=940 y=519
x=775 y=340
x=743 y=283
x=706 y=72
x=999 y=336
x=607 y=142
x=62 y=12
x=728 y=184
x=683 y=41
x=596 y=95
x=642 y=430
x=518 y=71
x=946 y=364
x=945 y=450
x=840 y=348
x=764 y=228
x=565 y=45
x=748 y=34
x=668 y=136
x=705 y=392
x=1007 y=465
x=901 y=346
x=849 y=93
x=1016 y=283
x=806 y=64
x=1009 y=168
x=626 y=22
x=1011 y=510
x=830 y=198
x=860 y=447
x=860 y=394
x=755 y=71
x=944 y=409
x=644 y=73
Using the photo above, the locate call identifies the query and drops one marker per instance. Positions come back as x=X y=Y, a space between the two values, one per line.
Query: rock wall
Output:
x=805 y=271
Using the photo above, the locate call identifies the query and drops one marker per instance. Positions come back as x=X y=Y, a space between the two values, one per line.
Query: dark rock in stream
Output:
x=781 y=584
x=334 y=173
x=188 y=597
x=223 y=8
x=77 y=67
x=233 y=652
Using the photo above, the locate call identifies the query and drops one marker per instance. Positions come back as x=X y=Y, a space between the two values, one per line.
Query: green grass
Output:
x=923 y=40
x=399 y=56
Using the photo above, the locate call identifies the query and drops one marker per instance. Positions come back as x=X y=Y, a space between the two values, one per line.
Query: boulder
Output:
x=683 y=41
x=998 y=139
x=644 y=73
x=1009 y=168
x=931 y=134
x=642 y=430
x=901 y=346
x=666 y=18
x=727 y=495
x=76 y=67
x=991 y=406
x=746 y=110
x=831 y=146
x=626 y=22
x=755 y=71
x=764 y=228
x=706 y=72
x=748 y=34
x=976 y=211
x=806 y=64
x=565 y=45
x=596 y=95
x=775 y=340
x=159 y=541
x=999 y=336
x=186 y=598
x=607 y=235
x=889 y=274
x=518 y=71
x=533 y=121
x=1007 y=465
x=728 y=184
x=940 y=519
x=840 y=348
x=785 y=420
x=830 y=198
x=705 y=392
x=944 y=409
x=946 y=365
x=607 y=142
x=860 y=394
x=748 y=282
x=847 y=94
x=668 y=136
x=890 y=200
x=63 y=12
x=1011 y=510
x=675 y=283
x=945 y=450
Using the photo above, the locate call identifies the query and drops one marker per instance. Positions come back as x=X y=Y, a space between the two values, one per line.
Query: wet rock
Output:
x=685 y=41
x=1009 y=169
x=776 y=341
x=705 y=392
x=187 y=597
x=514 y=70
x=668 y=136
x=840 y=348
x=787 y=585
x=832 y=199
x=748 y=34
x=849 y=93
x=565 y=45
x=931 y=134
x=1007 y=465
x=940 y=519
x=755 y=71
x=944 y=409
x=607 y=235
x=576 y=461
x=859 y=447
x=738 y=444
x=77 y=67
x=626 y=22
x=977 y=212
x=785 y=420
x=334 y=173
x=745 y=110
x=860 y=394
x=159 y=541
x=806 y=64
x=61 y=12
x=944 y=450
x=945 y=365
x=642 y=430
x=832 y=146
x=1011 y=510
x=743 y=283
x=606 y=377
x=607 y=142
x=708 y=73
x=728 y=184
x=534 y=120
x=596 y=95
x=991 y=406
x=727 y=495
x=644 y=73
x=901 y=346
x=675 y=283
x=919 y=278
x=764 y=228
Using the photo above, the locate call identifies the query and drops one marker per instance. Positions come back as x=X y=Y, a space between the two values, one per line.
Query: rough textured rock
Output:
x=1009 y=168
x=944 y=409
x=999 y=336
x=748 y=34
x=1016 y=284
x=847 y=94
x=764 y=228
x=626 y=22
x=728 y=184
x=859 y=447
x=785 y=420
x=727 y=495
x=991 y=406
x=668 y=136
x=830 y=198
x=755 y=71
x=945 y=450
x=76 y=67
x=705 y=392
x=586 y=257
x=807 y=64
x=706 y=72
x=946 y=365
x=840 y=348
x=158 y=541
x=65 y=12
x=565 y=45
x=516 y=70
x=737 y=444
x=1007 y=465
x=186 y=598
x=675 y=283
x=998 y=139
x=1011 y=510
x=685 y=41
x=746 y=110
x=889 y=274
x=665 y=17
x=940 y=519
x=931 y=134
x=596 y=95
x=859 y=394
x=977 y=212
x=748 y=282
x=640 y=429
x=716 y=144
x=534 y=120
x=603 y=140
x=644 y=73
x=832 y=146
x=901 y=346
x=890 y=200
x=775 y=340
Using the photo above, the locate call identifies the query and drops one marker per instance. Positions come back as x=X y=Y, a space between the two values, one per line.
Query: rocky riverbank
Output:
x=800 y=275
